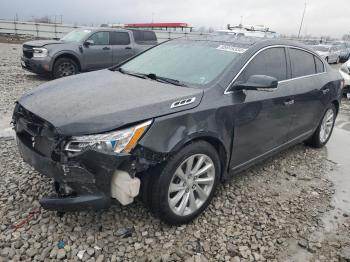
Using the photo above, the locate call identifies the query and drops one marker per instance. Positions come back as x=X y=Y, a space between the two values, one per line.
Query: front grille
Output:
x=35 y=132
x=28 y=51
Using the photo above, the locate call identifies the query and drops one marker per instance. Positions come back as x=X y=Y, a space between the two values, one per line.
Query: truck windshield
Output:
x=192 y=62
x=76 y=35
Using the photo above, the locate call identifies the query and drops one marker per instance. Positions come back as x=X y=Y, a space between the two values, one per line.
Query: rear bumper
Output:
x=40 y=66
x=87 y=176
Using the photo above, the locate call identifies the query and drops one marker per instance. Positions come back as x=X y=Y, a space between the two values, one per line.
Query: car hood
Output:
x=322 y=53
x=104 y=100
x=41 y=43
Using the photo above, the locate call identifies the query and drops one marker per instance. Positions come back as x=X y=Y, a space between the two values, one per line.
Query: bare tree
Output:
x=346 y=37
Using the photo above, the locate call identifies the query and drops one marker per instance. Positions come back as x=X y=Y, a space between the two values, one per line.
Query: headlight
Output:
x=39 y=52
x=119 y=141
x=345 y=68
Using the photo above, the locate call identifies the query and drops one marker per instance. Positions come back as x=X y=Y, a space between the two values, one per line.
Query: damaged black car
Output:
x=171 y=123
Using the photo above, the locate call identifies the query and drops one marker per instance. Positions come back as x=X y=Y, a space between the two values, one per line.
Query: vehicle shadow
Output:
x=35 y=77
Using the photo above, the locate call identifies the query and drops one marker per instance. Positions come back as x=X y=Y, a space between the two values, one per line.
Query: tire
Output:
x=338 y=60
x=156 y=193
x=64 y=67
x=317 y=140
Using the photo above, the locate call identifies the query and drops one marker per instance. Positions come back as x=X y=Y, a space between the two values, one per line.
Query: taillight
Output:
x=342 y=83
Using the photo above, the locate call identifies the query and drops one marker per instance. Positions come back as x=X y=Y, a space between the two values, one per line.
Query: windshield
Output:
x=76 y=35
x=193 y=62
x=321 y=48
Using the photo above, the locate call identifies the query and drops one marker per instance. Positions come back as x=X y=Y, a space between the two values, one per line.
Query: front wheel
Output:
x=324 y=130
x=185 y=185
x=64 y=67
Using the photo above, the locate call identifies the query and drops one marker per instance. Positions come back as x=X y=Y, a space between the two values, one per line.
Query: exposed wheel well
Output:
x=217 y=144
x=73 y=57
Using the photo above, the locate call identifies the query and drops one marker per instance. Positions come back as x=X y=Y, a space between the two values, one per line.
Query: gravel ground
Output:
x=269 y=213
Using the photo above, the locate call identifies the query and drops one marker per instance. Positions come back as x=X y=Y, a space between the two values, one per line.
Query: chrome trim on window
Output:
x=300 y=77
x=282 y=81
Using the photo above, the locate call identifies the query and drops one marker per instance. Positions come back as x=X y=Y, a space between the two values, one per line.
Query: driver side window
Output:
x=270 y=62
x=100 y=38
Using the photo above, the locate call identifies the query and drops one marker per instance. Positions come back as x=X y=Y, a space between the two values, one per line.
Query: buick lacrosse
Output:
x=172 y=122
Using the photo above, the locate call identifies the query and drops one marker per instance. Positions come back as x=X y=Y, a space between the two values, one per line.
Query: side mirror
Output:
x=256 y=82
x=89 y=42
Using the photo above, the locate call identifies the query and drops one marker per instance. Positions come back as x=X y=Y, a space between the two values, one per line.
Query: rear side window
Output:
x=303 y=63
x=319 y=65
x=149 y=36
x=270 y=62
x=100 y=38
x=142 y=37
x=119 y=38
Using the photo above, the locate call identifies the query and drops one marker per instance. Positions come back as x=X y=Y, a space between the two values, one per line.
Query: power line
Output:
x=302 y=20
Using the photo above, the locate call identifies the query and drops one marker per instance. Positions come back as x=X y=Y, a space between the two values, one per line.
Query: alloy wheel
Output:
x=326 y=125
x=66 y=69
x=191 y=184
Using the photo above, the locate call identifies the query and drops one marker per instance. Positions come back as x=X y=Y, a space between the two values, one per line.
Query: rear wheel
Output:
x=324 y=130
x=183 y=187
x=64 y=67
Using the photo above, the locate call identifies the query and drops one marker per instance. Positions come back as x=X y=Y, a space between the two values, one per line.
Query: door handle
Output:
x=325 y=91
x=289 y=102
x=128 y=47
x=106 y=48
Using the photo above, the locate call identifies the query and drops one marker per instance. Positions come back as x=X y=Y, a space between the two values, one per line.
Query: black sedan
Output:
x=170 y=123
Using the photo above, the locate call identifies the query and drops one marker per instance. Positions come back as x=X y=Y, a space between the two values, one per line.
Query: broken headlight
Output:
x=39 y=52
x=118 y=141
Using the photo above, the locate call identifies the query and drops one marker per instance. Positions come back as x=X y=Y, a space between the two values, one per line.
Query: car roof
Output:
x=245 y=41
x=323 y=45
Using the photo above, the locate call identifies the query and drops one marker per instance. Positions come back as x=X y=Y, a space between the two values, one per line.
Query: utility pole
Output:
x=302 y=20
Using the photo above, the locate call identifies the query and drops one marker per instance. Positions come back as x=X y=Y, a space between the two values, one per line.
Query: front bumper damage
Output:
x=41 y=66
x=82 y=181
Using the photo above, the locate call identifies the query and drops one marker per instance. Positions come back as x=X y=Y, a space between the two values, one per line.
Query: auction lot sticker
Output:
x=230 y=48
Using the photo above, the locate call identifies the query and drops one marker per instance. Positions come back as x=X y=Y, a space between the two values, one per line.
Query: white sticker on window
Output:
x=230 y=48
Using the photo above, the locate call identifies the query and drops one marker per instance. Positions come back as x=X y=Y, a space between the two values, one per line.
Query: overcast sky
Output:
x=323 y=17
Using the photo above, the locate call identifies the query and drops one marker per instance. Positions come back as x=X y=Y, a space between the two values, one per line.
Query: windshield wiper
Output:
x=121 y=70
x=153 y=77
x=165 y=80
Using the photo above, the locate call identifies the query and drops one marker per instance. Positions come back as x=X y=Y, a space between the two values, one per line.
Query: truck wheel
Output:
x=183 y=187
x=64 y=67
x=324 y=129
